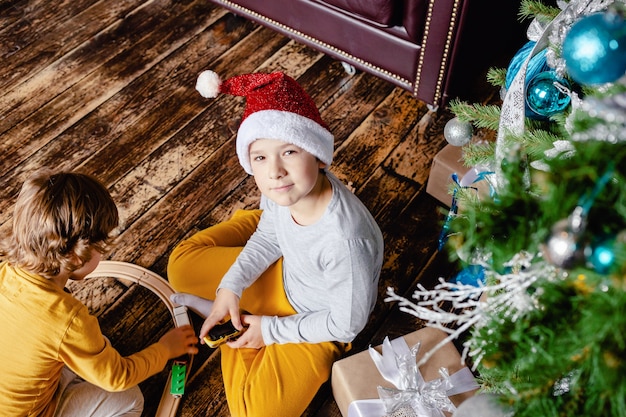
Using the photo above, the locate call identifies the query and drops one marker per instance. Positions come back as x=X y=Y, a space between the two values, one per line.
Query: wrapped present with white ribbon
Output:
x=385 y=380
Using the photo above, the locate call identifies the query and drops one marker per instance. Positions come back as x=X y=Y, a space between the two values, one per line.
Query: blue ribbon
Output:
x=454 y=206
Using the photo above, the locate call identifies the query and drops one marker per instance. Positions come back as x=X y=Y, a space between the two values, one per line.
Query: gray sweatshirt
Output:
x=330 y=268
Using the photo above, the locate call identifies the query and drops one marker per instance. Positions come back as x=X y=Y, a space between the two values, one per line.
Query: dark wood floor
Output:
x=107 y=88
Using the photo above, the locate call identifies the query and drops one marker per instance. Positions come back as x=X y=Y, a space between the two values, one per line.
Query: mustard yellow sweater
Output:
x=43 y=328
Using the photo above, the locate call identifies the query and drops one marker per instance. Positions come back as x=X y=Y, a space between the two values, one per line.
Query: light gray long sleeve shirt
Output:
x=330 y=268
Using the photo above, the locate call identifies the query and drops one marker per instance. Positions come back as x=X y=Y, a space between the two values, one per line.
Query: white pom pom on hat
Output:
x=208 y=84
x=276 y=108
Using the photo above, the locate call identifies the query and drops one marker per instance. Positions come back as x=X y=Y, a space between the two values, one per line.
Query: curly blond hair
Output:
x=57 y=220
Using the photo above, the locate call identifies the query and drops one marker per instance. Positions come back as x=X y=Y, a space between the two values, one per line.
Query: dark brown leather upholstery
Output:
x=381 y=12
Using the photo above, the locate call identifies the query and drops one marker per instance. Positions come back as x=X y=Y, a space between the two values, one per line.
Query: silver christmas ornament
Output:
x=564 y=248
x=458 y=133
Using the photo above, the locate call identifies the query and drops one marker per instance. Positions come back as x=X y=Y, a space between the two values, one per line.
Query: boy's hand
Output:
x=179 y=341
x=253 y=337
x=226 y=304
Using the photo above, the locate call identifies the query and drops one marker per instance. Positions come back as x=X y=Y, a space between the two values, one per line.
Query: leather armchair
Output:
x=411 y=43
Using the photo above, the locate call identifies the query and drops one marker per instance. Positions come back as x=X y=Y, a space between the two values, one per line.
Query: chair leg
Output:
x=349 y=69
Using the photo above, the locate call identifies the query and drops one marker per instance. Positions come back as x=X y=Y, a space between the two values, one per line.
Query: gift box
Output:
x=356 y=378
x=447 y=162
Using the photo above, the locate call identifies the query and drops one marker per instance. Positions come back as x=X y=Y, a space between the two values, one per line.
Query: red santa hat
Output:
x=276 y=108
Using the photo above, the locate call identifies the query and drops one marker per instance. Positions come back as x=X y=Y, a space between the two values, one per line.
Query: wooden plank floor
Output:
x=107 y=88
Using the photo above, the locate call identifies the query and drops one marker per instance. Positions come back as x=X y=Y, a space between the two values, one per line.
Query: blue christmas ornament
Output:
x=594 y=49
x=545 y=94
x=601 y=255
x=536 y=64
x=473 y=275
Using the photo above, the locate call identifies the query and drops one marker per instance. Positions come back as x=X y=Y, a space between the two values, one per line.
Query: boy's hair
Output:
x=59 y=217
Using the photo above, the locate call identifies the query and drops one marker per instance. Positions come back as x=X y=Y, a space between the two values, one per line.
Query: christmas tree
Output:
x=546 y=327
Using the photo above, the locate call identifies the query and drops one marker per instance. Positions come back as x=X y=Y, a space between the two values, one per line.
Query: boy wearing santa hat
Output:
x=300 y=275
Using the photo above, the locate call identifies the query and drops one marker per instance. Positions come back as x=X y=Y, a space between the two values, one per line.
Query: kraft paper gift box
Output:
x=356 y=377
x=449 y=161
x=445 y=163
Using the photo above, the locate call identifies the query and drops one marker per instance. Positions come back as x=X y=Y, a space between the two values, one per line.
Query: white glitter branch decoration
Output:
x=473 y=306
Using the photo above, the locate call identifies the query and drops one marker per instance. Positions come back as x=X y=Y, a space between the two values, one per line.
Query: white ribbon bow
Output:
x=398 y=365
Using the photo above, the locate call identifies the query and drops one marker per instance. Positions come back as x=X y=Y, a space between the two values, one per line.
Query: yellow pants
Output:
x=276 y=380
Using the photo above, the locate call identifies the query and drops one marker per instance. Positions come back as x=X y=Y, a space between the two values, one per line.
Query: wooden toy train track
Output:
x=130 y=272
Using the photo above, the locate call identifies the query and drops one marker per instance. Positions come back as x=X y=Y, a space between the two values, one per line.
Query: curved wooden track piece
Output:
x=159 y=286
